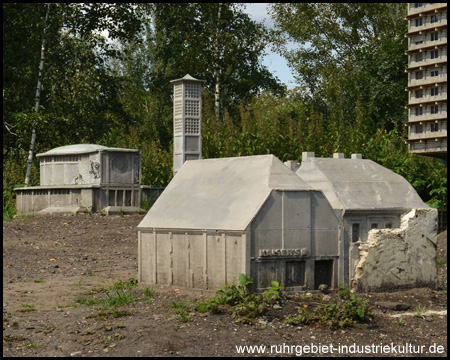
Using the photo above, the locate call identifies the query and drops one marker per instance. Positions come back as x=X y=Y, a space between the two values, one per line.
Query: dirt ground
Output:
x=50 y=263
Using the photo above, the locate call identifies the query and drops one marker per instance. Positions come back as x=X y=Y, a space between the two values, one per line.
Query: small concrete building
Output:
x=366 y=196
x=76 y=178
x=219 y=218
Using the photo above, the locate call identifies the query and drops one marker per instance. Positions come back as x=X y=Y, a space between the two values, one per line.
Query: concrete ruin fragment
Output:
x=399 y=258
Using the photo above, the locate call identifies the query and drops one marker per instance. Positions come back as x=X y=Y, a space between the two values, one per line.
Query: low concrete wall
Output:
x=194 y=259
x=72 y=199
x=400 y=258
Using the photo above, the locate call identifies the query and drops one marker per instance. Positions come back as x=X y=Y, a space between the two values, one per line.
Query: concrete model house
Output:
x=366 y=196
x=81 y=177
x=219 y=218
x=427 y=79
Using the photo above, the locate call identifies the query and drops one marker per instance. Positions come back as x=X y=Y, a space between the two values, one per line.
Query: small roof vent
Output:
x=308 y=155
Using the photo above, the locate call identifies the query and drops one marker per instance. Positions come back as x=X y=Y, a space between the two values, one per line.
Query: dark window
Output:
x=295 y=273
x=323 y=273
x=434 y=73
x=374 y=226
x=355 y=233
x=419 y=75
x=419 y=22
x=419 y=111
x=434 y=91
x=434 y=54
x=434 y=109
x=435 y=127
x=434 y=36
x=434 y=18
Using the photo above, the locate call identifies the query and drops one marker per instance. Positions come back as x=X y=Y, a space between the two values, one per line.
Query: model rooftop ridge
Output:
x=80 y=149
x=311 y=155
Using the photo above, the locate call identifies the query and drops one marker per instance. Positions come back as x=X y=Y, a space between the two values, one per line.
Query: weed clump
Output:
x=341 y=314
x=245 y=306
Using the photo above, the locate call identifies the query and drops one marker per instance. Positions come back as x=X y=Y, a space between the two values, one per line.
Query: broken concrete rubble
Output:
x=399 y=258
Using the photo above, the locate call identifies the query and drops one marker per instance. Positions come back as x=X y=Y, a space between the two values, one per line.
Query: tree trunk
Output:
x=37 y=99
x=217 y=68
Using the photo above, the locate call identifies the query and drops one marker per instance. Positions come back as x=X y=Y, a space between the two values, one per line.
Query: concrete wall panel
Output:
x=197 y=261
x=297 y=239
x=234 y=258
x=326 y=242
x=267 y=225
x=180 y=259
x=297 y=209
x=147 y=252
x=216 y=261
x=324 y=215
x=163 y=260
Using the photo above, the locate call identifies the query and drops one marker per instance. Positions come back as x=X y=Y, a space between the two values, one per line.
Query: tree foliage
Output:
x=192 y=38
x=348 y=52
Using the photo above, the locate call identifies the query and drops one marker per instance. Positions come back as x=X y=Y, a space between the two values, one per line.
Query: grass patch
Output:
x=108 y=313
x=420 y=310
x=119 y=298
x=26 y=308
x=13 y=338
x=118 y=294
x=89 y=301
x=181 y=310
x=149 y=295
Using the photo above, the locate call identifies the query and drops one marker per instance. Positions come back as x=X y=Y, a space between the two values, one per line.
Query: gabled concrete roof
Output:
x=81 y=149
x=359 y=184
x=223 y=194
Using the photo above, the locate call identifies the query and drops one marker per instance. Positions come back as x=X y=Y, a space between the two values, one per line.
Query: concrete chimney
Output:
x=308 y=155
x=338 y=156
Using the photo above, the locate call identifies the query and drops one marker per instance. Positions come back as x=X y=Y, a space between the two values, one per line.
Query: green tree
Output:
x=77 y=98
x=214 y=42
x=347 y=52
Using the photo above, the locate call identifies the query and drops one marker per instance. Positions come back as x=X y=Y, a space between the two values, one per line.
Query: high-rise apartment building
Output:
x=427 y=79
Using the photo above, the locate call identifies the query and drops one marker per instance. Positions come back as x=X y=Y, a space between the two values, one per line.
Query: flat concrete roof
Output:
x=81 y=149
x=359 y=184
x=220 y=194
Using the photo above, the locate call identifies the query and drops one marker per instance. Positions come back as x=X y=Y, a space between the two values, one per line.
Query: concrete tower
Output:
x=187 y=120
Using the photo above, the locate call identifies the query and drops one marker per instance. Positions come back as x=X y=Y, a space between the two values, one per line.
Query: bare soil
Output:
x=51 y=262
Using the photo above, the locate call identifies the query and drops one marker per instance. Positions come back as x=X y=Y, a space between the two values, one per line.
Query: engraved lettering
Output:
x=303 y=252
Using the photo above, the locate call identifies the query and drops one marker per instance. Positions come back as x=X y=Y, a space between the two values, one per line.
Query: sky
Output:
x=276 y=64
